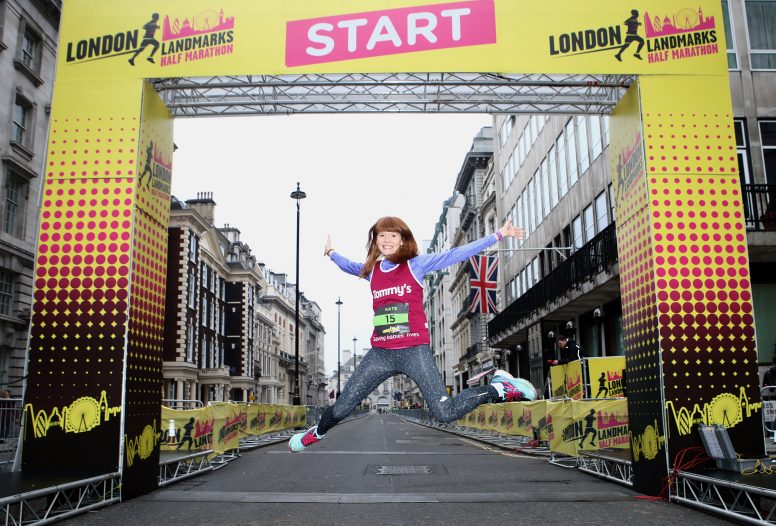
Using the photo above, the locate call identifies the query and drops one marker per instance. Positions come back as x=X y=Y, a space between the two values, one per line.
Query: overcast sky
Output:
x=354 y=169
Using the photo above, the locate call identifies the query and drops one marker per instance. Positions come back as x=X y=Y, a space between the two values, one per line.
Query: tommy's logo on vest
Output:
x=399 y=291
x=204 y=35
x=685 y=33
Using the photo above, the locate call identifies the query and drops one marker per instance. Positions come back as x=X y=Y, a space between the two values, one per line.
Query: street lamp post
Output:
x=297 y=194
x=339 y=347
x=354 y=352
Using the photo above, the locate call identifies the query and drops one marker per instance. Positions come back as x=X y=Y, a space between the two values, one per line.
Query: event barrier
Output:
x=601 y=377
x=571 y=427
x=220 y=426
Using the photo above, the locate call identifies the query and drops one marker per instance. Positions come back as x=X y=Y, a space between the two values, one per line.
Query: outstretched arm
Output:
x=342 y=262
x=425 y=263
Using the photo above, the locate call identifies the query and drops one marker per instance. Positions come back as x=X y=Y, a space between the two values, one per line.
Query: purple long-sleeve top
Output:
x=422 y=264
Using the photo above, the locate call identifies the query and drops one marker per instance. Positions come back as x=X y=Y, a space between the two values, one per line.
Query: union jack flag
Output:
x=483 y=281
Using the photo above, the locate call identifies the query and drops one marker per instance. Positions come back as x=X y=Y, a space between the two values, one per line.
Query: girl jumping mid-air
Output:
x=400 y=341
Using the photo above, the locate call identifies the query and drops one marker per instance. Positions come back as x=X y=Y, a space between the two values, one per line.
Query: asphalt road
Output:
x=381 y=470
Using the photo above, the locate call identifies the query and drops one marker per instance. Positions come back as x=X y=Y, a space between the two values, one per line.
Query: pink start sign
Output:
x=390 y=32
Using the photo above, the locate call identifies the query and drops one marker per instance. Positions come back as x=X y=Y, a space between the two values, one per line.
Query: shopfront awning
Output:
x=474 y=380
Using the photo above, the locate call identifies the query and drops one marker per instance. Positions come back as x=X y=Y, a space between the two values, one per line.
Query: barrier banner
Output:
x=525 y=419
x=187 y=429
x=613 y=429
x=252 y=418
x=539 y=420
x=492 y=415
x=226 y=426
x=220 y=426
x=558 y=381
x=562 y=436
x=273 y=418
x=506 y=417
x=606 y=376
x=574 y=386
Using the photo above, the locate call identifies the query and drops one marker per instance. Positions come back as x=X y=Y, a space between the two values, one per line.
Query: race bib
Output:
x=392 y=319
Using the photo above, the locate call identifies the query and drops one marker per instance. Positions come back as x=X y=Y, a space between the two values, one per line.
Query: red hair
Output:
x=407 y=250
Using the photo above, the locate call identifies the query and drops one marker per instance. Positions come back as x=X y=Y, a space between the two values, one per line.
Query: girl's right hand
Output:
x=328 y=246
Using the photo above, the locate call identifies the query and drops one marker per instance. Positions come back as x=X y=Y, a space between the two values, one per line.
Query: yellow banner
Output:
x=538 y=411
x=226 y=426
x=588 y=425
x=186 y=38
x=220 y=426
x=558 y=381
x=612 y=424
x=575 y=388
x=560 y=419
x=187 y=430
x=607 y=376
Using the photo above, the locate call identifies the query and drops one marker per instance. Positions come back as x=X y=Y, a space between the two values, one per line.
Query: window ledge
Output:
x=13 y=319
x=22 y=150
x=24 y=68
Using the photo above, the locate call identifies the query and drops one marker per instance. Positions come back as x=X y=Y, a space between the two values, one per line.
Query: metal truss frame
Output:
x=563 y=461
x=224 y=458
x=616 y=470
x=47 y=505
x=391 y=93
x=254 y=441
x=184 y=467
x=741 y=502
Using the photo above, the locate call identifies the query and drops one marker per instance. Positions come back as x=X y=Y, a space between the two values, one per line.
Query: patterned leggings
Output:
x=417 y=363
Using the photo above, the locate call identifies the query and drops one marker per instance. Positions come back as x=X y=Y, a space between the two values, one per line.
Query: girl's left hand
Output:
x=512 y=231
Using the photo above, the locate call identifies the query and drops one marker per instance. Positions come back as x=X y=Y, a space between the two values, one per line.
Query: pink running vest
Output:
x=397 y=300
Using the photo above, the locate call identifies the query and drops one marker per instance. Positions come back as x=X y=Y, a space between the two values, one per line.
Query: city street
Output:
x=383 y=470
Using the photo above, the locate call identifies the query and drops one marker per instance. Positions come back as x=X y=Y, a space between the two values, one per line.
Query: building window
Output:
x=30 y=49
x=190 y=342
x=584 y=156
x=563 y=182
x=545 y=189
x=596 y=142
x=742 y=149
x=15 y=200
x=6 y=292
x=552 y=174
x=768 y=140
x=22 y=118
x=731 y=50
x=589 y=223
x=761 y=22
x=578 y=233
x=571 y=150
x=192 y=285
x=602 y=218
x=612 y=209
x=192 y=247
x=2 y=23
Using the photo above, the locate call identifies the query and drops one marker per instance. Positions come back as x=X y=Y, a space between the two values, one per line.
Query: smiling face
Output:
x=388 y=243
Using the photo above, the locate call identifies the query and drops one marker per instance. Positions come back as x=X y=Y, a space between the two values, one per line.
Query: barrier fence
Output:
x=570 y=427
x=220 y=426
x=10 y=425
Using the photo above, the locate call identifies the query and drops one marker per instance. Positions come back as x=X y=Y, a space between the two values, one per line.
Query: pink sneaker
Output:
x=301 y=440
x=512 y=389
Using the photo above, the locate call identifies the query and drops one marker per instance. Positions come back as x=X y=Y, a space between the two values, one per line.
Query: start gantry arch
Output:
x=392 y=92
x=127 y=69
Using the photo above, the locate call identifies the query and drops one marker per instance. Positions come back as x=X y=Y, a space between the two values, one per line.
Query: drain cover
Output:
x=403 y=470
